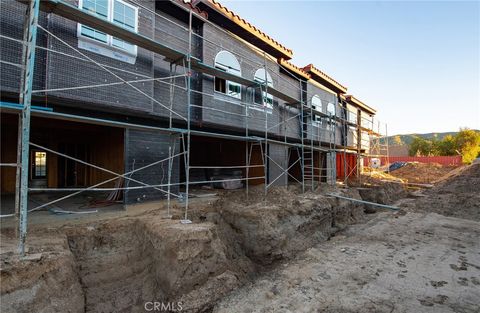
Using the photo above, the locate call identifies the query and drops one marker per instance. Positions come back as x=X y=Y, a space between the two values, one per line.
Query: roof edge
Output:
x=295 y=69
x=321 y=77
x=352 y=100
x=235 y=18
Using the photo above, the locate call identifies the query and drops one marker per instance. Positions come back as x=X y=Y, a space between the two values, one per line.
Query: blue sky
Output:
x=417 y=63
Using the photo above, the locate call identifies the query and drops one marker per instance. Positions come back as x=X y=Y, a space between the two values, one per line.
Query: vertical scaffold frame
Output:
x=308 y=147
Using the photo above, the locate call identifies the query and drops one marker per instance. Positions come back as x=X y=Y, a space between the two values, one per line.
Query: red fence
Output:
x=444 y=160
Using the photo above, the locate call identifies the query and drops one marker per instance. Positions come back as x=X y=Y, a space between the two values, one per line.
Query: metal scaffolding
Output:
x=314 y=151
x=370 y=144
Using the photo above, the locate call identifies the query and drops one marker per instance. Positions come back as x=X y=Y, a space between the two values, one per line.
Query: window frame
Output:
x=227 y=82
x=352 y=114
x=265 y=105
x=33 y=167
x=316 y=119
x=366 y=121
x=330 y=121
x=352 y=117
x=110 y=14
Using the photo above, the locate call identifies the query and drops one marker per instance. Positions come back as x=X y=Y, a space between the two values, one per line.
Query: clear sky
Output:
x=417 y=63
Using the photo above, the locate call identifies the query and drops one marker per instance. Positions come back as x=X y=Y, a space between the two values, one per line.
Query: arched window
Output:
x=316 y=106
x=331 y=109
x=227 y=62
x=261 y=76
x=330 y=120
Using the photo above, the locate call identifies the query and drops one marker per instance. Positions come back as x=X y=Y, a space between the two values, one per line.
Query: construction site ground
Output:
x=293 y=252
x=427 y=173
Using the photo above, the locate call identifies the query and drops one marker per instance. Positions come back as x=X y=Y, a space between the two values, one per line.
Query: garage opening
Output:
x=55 y=175
x=221 y=163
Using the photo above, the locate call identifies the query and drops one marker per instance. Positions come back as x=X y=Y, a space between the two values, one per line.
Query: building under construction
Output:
x=147 y=100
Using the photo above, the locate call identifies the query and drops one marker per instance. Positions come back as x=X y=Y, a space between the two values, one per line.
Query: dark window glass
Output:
x=220 y=85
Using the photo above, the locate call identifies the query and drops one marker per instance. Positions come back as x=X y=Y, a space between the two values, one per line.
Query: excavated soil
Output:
x=396 y=263
x=379 y=188
x=292 y=252
x=118 y=264
x=411 y=260
x=422 y=173
x=457 y=195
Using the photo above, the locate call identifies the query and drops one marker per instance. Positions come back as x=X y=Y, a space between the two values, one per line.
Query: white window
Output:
x=331 y=109
x=261 y=97
x=117 y=12
x=227 y=62
x=352 y=114
x=316 y=105
x=352 y=117
x=366 y=121
x=330 y=121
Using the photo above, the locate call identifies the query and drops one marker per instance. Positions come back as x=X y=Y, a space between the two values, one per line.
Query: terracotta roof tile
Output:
x=251 y=28
x=291 y=67
x=310 y=68
x=189 y=5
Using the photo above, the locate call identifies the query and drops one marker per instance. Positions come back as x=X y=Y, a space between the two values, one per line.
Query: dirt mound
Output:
x=464 y=182
x=457 y=195
x=384 y=193
x=290 y=223
x=422 y=173
x=378 y=187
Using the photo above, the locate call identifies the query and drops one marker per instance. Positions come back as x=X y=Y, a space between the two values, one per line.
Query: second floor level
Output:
x=242 y=77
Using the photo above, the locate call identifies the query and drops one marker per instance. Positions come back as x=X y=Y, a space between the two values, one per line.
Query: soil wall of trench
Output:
x=118 y=265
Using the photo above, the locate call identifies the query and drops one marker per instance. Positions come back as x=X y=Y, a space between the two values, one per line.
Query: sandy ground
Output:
x=394 y=263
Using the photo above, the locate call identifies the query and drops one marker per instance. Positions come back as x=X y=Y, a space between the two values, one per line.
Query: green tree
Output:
x=446 y=146
x=420 y=146
x=467 y=142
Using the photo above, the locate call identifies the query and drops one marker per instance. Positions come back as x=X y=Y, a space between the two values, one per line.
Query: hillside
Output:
x=406 y=139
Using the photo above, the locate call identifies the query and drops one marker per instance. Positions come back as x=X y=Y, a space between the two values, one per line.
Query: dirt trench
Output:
x=123 y=265
x=119 y=265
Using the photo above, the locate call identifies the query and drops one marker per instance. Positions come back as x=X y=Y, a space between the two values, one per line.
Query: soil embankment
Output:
x=414 y=260
x=290 y=253
x=117 y=265
x=456 y=195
